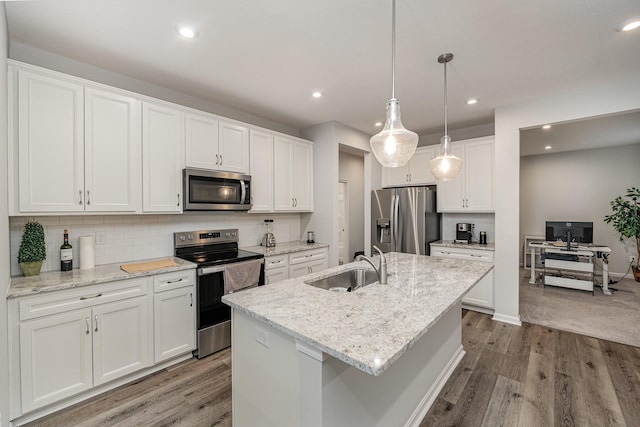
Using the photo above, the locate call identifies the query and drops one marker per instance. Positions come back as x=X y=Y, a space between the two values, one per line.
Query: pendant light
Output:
x=446 y=166
x=394 y=145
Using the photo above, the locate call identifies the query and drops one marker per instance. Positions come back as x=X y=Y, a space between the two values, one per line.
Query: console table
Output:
x=589 y=251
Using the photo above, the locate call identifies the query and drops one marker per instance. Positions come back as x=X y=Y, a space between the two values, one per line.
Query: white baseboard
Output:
x=423 y=407
x=507 y=319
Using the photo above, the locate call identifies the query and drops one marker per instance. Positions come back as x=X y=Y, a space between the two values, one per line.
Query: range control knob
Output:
x=190 y=237
x=227 y=234
x=233 y=233
x=182 y=237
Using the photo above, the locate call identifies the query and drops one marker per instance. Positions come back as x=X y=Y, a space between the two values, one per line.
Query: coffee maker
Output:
x=268 y=240
x=463 y=233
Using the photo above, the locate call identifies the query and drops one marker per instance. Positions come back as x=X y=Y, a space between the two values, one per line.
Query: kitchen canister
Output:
x=483 y=237
x=87 y=252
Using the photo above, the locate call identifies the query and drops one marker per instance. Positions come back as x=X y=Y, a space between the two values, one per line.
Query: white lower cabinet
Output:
x=276 y=268
x=295 y=264
x=66 y=343
x=480 y=297
x=307 y=262
x=174 y=316
x=64 y=354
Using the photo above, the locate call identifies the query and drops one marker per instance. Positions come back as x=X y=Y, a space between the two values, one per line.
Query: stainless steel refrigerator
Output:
x=404 y=219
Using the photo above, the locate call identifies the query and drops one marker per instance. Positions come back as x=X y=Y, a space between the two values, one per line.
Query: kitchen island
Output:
x=377 y=356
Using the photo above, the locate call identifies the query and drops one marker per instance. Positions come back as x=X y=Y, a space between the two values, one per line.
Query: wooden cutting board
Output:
x=142 y=267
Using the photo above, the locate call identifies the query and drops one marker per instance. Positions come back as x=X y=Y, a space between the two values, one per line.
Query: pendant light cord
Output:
x=445 y=99
x=393 y=50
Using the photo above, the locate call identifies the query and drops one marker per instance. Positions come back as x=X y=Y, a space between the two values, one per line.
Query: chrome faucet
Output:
x=381 y=271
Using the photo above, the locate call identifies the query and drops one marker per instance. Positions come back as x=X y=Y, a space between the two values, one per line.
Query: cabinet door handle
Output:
x=95 y=296
x=79 y=197
x=86 y=319
x=88 y=197
x=217 y=159
x=191 y=297
x=296 y=199
x=220 y=159
x=96 y=320
x=178 y=204
x=292 y=202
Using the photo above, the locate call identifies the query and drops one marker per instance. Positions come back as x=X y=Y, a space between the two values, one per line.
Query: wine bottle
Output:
x=66 y=254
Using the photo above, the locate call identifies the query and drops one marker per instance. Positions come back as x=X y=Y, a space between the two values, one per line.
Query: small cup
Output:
x=483 y=237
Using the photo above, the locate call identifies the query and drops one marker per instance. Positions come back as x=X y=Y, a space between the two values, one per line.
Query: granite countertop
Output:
x=373 y=326
x=286 y=248
x=475 y=245
x=21 y=286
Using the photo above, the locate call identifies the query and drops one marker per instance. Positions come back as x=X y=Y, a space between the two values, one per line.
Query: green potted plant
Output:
x=626 y=221
x=32 y=249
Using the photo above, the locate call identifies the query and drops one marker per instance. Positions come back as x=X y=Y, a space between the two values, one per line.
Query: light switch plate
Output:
x=101 y=238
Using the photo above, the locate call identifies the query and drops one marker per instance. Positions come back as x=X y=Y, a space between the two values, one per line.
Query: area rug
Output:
x=614 y=318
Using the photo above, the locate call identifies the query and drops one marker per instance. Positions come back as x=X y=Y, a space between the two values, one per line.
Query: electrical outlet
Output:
x=101 y=238
x=262 y=337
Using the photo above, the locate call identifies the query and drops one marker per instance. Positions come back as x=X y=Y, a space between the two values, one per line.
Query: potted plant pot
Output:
x=32 y=249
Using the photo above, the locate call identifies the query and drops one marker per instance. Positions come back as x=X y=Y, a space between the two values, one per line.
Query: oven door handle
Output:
x=210 y=270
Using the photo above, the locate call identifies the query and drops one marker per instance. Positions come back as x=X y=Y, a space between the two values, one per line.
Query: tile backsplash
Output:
x=481 y=221
x=138 y=237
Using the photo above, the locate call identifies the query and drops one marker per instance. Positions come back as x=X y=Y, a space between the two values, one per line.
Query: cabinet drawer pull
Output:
x=168 y=282
x=95 y=296
x=96 y=320
x=86 y=319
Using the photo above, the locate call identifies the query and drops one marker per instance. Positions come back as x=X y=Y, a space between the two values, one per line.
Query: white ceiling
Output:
x=265 y=57
x=595 y=132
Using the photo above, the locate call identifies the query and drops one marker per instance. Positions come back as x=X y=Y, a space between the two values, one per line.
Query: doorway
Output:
x=343 y=223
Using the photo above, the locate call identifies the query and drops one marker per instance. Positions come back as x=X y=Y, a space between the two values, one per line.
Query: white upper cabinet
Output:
x=162 y=158
x=112 y=152
x=473 y=189
x=215 y=144
x=415 y=172
x=261 y=170
x=50 y=144
x=78 y=147
x=293 y=175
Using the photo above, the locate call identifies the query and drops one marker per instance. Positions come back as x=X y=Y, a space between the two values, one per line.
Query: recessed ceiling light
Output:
x=472 y=101
x=629 y=24
x=546 y=127
x=187 y=32
x=377 y=124
x=547 y=147
x=317 y=94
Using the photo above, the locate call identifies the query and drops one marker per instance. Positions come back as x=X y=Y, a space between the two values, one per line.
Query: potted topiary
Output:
x=626 y=221
x=32 y=249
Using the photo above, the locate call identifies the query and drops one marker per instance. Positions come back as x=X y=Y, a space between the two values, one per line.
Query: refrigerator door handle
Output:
x=396 y=221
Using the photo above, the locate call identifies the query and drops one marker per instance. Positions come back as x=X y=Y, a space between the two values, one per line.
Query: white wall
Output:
x=328 y=137
x=457 y=134
x=578 y=186
x=352 y=172
x=137 y=237
x=597 y=99
x=4 y=223
x=31 y=55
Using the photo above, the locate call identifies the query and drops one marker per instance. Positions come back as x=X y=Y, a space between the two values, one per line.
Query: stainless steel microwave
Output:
x=206 y=190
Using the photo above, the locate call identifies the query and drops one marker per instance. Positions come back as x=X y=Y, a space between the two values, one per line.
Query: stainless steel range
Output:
x=216 y=253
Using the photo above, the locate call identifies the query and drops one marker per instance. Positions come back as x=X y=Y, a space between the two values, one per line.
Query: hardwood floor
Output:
x=510 y=376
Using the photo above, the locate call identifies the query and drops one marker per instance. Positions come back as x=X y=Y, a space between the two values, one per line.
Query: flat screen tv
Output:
x=579 y=232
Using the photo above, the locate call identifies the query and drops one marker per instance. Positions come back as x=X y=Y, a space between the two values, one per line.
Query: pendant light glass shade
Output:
x=394 y=145
x=445 y=166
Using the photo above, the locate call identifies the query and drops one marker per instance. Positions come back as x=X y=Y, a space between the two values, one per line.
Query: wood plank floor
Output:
x=510 y=376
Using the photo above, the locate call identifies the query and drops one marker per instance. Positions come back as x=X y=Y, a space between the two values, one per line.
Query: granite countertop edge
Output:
x=285 y=248
x=475 y=245
x=50 y=281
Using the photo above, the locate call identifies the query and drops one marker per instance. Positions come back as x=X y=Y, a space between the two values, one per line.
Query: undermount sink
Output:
x=346 y=281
